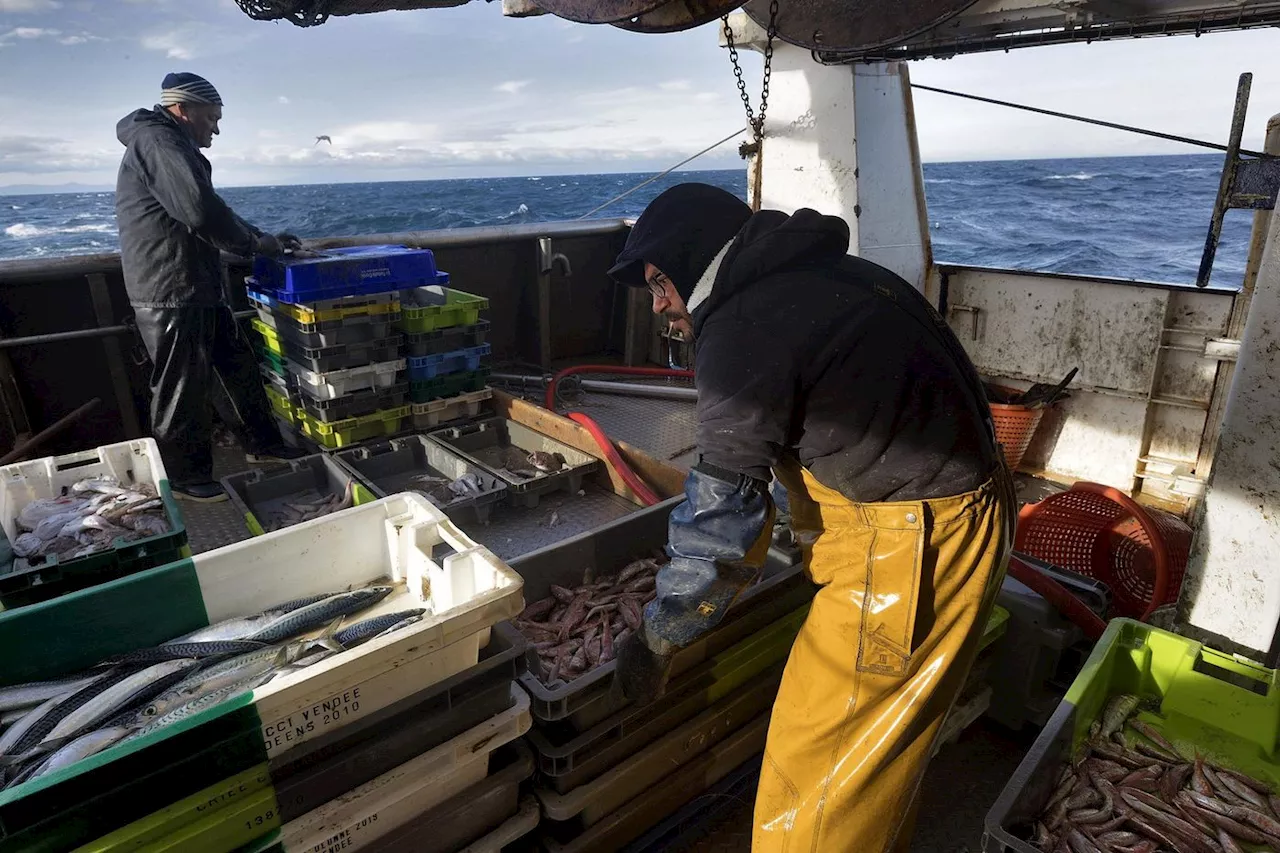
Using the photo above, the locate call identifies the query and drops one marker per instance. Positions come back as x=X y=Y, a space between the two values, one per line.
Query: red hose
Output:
x=633 y=481
x=1059 y=596
x=665 y=372
x=647 y=497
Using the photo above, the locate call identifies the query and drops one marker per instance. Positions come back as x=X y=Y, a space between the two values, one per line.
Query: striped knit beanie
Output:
x=183 y=87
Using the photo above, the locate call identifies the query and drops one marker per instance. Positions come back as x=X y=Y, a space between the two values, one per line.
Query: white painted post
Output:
x=813 y=155
x=1232 y=589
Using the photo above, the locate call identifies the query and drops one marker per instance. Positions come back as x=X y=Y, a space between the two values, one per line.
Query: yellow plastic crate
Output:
x=270 y=339
x=331 y=309
x=349 y=431
x=281 y=404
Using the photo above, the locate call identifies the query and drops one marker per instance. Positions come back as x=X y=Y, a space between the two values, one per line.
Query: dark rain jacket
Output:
x=802 y=351
x=172 y=223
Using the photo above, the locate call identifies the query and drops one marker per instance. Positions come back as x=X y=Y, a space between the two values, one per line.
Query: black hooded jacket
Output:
x=172 y=223
x=804 y=350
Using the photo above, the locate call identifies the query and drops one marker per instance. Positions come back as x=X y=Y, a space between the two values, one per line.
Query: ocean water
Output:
x=1135 y=217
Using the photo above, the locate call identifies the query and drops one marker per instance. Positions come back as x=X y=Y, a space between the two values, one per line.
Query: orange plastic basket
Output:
x=1015 y=427
x=1098 y=531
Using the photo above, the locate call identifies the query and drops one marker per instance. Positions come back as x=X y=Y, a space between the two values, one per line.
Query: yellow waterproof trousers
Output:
x=906 y=589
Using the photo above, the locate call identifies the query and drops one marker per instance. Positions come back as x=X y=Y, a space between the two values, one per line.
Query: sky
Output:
x=464 y=92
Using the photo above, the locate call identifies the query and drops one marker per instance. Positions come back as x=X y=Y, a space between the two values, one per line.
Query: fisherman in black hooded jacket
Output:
x=173 y=228
x=835 y=375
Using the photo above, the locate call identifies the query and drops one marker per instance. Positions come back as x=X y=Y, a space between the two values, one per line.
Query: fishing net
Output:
x=302 y=13
x=311 y=13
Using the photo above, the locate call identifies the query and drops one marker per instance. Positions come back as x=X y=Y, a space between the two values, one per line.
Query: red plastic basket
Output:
x=1098 y=531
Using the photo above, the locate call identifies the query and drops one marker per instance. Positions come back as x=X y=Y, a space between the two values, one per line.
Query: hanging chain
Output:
x=756 y=123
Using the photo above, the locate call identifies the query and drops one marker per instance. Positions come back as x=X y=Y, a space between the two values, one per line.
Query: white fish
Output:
x=81 y=748
x=50 y=528
x=30 y=516
x=104 y=484
x=27 y=544
x=113 y=698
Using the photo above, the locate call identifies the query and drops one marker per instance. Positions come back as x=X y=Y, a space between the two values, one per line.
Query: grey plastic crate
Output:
x=588 y=804
x=640 y=814
x=312 y=774
x=1042 y=650
x=332 y=333
x=591 y=754
x=487 y=442
x=588 y=699
x=469 y=815
x=260 y=493
x=395 y=465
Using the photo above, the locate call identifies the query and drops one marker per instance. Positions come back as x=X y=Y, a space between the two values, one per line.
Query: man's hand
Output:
x=267 y=246
x=288 y=242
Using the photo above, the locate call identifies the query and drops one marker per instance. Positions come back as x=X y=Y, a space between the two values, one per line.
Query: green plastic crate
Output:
x=344 y=433
x=444 y=387
x=445 y=307
x=1208 y=703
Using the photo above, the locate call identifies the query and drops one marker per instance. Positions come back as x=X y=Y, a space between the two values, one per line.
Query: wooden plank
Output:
x=665 y=480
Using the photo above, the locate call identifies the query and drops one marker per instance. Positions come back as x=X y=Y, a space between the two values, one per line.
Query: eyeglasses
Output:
x=658 y=286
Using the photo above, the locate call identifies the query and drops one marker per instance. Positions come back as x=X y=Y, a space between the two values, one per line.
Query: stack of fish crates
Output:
x=607 y=771
x=446 y=353
x=330 y=347
x=401 y=732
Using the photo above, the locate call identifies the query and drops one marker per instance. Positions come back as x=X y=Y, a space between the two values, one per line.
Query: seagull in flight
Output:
x=320 y=139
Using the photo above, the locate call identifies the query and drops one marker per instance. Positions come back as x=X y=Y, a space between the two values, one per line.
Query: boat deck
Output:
x=964 y=778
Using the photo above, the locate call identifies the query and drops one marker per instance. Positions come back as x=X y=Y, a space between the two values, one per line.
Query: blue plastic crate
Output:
x=431 y=366
x=347 y=272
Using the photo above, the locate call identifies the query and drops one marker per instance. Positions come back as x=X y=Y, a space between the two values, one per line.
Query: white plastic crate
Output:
x=368 y=812
x=336 y=383
x=136 y=461
x=437 y=412
x=401 y=540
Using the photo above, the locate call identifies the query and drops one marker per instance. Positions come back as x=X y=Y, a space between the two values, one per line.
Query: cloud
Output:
x=28 y=5
x=676 y=86
x=511 y=87
x=283 y=99
x=175 y=44
x=81 y=38
x=35 y=154
x=30 y=33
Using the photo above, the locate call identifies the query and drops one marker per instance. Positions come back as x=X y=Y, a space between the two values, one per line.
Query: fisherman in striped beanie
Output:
x=173 y=228
x=194 y=102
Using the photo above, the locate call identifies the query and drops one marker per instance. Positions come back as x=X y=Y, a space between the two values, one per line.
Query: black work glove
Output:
x=288 y=241
x=641 y=674
x=267 y=246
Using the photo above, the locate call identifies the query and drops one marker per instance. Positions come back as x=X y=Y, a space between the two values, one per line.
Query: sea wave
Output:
x=23 y=231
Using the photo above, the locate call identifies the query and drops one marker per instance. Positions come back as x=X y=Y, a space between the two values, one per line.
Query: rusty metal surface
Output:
x=599 y=11
x=854 y=24
x=679 y=15
x=1256 y=185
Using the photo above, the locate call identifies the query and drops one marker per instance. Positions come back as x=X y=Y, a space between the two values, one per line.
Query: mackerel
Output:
x=203 y=682
x=15 y=732
x=115 y=697
x=195 y=706
x=356 y=634
x=177 y=651
x=33 y=693
x=81 y=748
x=239 y=627
x=66 y=705
x=314 y=615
